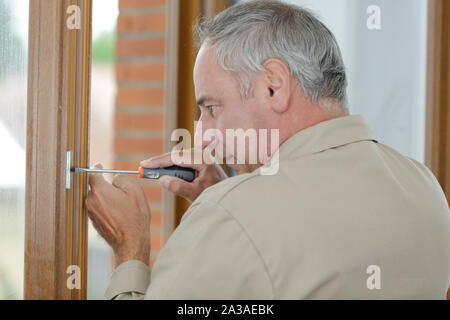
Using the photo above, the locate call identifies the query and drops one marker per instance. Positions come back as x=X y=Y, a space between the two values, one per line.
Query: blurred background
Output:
x=141 y=89
x=103 y=91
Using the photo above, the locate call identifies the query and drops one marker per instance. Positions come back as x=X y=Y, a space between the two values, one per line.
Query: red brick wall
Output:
x=140 y=111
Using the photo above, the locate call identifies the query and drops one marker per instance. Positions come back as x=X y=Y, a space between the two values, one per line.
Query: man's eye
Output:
x=212 y=110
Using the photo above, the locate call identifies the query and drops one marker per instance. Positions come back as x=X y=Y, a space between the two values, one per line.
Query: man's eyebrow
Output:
x=201 y=101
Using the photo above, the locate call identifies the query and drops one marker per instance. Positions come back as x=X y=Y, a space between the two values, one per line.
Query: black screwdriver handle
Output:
x=187 y=174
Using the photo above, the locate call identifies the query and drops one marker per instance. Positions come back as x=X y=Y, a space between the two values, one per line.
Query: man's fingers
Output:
x=96 y=179
x=122 y=182
x=177 y=186
x=193 y=160
x=155 y=162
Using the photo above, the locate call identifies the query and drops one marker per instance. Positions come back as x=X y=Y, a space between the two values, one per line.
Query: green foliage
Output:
x=103 y=48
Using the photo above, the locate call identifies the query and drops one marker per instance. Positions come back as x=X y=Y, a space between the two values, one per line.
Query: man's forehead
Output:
x=206 y=60
x=212 y=83
x=207 y=74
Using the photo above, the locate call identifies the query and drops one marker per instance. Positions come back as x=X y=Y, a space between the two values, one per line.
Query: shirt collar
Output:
x=326 y=135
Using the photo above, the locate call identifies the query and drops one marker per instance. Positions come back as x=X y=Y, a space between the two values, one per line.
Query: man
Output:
x=343 y=217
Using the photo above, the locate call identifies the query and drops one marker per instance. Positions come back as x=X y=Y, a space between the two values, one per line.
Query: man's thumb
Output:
x=165 y=182
x=97 y=166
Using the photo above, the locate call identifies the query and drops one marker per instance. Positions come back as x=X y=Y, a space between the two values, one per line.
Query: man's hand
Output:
x=120 y=213
x=208 y=175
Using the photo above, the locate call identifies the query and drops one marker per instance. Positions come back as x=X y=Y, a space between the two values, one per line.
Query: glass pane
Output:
x=13 y=89
x=103 y=91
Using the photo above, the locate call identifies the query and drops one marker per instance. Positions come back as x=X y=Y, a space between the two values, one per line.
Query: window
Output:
x=13 y=86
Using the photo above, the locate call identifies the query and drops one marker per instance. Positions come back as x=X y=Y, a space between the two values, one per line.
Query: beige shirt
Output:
x=343 y=214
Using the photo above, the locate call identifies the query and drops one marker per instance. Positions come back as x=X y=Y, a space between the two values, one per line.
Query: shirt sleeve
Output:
x=209 y=256
x=129 y=281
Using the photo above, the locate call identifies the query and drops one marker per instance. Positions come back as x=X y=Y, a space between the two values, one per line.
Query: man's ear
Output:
x=277 y=82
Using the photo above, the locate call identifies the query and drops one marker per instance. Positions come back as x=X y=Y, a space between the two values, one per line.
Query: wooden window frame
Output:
x=172 y=73
x=437 y=154
x=437 y=146
x=58 y=121
x=187 y=111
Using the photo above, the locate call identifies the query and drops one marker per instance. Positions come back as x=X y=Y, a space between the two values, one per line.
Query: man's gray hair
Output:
x=249 y=33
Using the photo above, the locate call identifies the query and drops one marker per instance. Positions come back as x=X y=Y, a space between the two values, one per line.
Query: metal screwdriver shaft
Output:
x=105 y=171
x=187 y=174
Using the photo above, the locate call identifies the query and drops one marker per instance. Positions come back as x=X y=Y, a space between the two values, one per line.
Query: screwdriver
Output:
x=187 y=174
